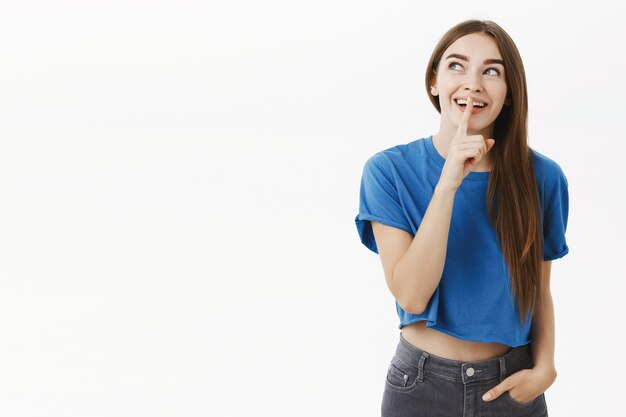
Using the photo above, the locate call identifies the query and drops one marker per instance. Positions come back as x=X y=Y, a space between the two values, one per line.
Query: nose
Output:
x=472 y=82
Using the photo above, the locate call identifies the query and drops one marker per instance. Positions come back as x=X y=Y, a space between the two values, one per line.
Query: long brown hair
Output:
x=512 y=193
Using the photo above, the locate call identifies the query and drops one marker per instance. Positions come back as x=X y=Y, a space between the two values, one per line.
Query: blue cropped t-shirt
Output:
x=473 y=300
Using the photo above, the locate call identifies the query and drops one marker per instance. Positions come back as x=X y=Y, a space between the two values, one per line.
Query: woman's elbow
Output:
x=412 y=307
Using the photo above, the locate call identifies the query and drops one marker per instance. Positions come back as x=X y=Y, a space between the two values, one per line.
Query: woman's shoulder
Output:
x=545 y=166
x=550 y=176
x=399 y=152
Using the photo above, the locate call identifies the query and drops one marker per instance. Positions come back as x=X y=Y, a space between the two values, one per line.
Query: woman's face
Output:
x=471 y=71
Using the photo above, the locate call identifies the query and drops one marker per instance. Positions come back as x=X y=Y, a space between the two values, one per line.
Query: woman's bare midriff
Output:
x=450 y=347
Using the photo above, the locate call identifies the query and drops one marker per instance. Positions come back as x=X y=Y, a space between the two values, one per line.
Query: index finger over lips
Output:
x=465 y=117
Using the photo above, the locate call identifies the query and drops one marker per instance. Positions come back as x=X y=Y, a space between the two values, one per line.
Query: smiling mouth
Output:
x=463 y=103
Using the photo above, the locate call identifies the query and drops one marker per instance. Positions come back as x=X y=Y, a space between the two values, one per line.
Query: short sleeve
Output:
x=555 y=221
x=379 y=201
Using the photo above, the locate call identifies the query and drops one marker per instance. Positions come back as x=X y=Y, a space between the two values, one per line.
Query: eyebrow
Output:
x=487 y=61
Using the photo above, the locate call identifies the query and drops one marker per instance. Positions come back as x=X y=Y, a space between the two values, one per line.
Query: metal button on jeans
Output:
x=470 y=371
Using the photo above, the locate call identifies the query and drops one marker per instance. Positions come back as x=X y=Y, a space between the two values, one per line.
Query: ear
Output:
x=507 y=101
x=433 y=90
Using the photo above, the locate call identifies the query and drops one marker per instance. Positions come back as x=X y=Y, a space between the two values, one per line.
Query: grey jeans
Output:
x=419 y=384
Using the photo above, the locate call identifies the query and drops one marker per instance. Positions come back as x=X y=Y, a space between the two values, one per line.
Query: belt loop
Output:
x=420 y=367
x=502 y=368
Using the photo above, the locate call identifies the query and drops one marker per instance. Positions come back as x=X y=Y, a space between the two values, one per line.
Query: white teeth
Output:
x=476 y=103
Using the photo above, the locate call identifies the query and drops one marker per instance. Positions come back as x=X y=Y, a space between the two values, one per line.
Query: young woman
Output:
x=466 y=223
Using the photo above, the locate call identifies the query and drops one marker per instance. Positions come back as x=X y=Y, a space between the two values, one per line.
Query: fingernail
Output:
x=487 y=397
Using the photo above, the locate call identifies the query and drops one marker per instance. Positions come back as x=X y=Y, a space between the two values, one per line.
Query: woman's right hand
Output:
x=464 y=152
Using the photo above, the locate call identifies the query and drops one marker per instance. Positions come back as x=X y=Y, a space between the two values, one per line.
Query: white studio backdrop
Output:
x=179 y=182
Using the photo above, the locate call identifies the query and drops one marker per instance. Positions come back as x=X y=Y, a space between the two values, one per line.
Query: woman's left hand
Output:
x=524 y=385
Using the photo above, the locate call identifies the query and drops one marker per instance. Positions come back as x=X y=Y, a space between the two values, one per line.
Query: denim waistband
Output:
x=517 y=358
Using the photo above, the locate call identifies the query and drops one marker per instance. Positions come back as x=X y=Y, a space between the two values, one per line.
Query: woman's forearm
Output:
x=543 y=333
x=417 y=274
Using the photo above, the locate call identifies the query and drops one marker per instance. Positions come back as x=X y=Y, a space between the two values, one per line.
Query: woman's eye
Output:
x=497 y=71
